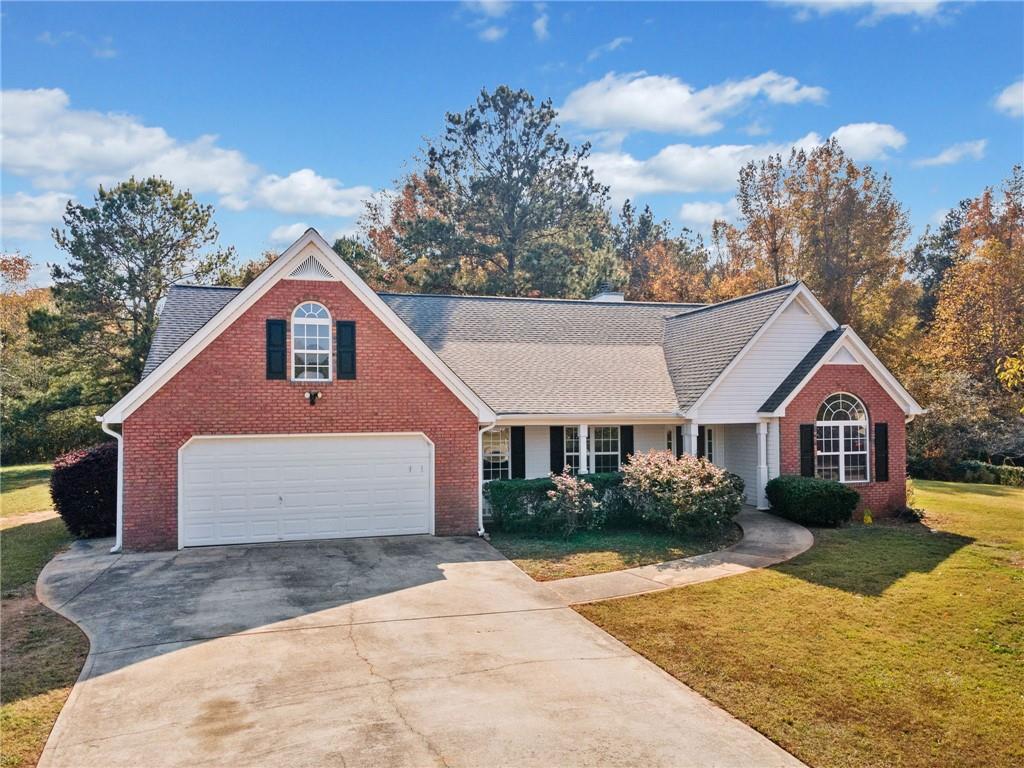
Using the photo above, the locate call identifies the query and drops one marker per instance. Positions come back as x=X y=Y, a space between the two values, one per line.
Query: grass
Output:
x=586 y=552
x=24 y=488
x=41 y=653
x=885 y=645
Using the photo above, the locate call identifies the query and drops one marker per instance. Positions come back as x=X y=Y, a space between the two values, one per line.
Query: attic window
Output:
x=311 y=343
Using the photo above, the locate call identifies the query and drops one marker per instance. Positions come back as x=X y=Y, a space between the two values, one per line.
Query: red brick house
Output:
x=307 y=406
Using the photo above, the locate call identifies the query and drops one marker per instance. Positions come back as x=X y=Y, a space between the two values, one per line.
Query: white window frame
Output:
x=709 y=444
x=315 y=321
x=500 y=439
x=566 y=453
x=594 y=453
x=843 y=427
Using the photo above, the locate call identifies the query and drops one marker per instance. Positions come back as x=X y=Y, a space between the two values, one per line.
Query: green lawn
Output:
x=41 y=653
x=24 y=488
x=885 y=645
x=586 y=552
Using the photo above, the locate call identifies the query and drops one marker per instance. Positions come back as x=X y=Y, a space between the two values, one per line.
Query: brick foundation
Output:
x=224 y=390
x=881 y=498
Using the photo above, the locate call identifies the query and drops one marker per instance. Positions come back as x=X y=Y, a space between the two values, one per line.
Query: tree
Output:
x=501 y=203
x=764 y=206
x=240 y=275
x=934 y=255
x=124 y=252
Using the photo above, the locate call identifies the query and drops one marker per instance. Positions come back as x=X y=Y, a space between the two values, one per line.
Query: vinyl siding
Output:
x=742 y=456
x=763 y=368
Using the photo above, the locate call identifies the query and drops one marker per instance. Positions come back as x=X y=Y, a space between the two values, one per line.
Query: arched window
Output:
x=311 y=342
x=841 y=439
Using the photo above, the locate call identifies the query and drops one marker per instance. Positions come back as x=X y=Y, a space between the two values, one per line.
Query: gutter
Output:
x=120 y=482
x=480 y=468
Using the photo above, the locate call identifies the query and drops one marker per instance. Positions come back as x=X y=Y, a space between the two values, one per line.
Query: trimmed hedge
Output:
x=969 y=471
x=519 y=505
x=84 y=490
x=811 y=500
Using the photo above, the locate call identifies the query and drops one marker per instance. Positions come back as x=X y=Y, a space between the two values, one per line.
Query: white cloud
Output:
x=869 y=141
x=540 y=24
x=1011 y=99
x=59 y=148
x=871 y=11
x=30 y=216
x=492 y=34
x=288 y=233
x=492 y=9
x=307 y=192
x=683 y=168
x=965 y=150
x=611 y=45
x=701 y=215
x=662 y=103
x=102 y=48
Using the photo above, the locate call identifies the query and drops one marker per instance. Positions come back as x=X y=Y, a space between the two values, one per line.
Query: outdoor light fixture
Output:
x=312 y=396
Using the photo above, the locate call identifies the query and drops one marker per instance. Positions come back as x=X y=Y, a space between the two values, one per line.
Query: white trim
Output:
x=849 y=340
x=480 y=476
x=302 y=436
x=799 y=293
x=329 y=322
x=256 y=290
x=119 y=524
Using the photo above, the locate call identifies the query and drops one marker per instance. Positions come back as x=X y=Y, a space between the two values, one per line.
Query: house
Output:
x=308 y=406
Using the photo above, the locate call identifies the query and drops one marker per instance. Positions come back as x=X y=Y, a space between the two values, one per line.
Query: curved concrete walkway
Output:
x=767 y=540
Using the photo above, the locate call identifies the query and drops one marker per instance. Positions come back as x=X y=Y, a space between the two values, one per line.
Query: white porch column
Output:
x=584 y=450
x=692 y=432
x=762 y=464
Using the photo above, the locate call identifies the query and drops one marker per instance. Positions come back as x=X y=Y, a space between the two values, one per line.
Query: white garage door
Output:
x=258 y=489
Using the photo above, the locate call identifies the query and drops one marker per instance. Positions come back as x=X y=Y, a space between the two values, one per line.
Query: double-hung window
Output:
x=311 y=342
x=497 y=454
x=606 y=448
x=572 y=449
x=841 y=440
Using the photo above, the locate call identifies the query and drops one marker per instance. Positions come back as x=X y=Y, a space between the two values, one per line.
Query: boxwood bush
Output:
x=811 y=500
x=525 y=505
x=84 y=490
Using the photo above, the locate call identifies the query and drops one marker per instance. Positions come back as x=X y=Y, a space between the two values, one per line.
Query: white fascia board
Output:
x=802 y=293
x=558 y=419
x=256 y=290
x=850 y=341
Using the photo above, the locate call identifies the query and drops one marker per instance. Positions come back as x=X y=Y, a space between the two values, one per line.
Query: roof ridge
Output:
x=734 y=299
x=205 y=287
x=551 y=299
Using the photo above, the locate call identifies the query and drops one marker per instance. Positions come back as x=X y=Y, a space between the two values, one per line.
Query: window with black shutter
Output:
x=518 y=452
x=277 y=353
x=881 y=452
x=625 y=443
x=807 y=450
x=557 y=450
x=346 y=340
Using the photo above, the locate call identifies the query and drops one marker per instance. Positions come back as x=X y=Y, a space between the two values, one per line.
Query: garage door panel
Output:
x=260 y=489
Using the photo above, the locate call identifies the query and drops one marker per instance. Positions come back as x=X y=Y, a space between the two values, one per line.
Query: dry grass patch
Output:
x=880 y=646
x=587 y=552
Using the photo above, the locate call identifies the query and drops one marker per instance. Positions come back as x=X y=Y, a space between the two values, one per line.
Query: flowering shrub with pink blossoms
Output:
x=682 y=494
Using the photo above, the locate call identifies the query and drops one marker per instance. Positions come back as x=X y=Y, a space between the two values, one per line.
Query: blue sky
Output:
x=287 y=115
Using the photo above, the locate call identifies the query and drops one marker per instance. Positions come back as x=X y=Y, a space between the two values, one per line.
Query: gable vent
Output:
x=311 y=269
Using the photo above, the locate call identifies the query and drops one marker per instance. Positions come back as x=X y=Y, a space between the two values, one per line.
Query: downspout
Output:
x=120 y=482
x=480 y=474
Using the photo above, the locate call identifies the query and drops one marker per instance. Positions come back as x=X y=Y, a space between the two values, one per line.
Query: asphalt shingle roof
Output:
x=700 y=344
x=823 y=345
x=546 y=355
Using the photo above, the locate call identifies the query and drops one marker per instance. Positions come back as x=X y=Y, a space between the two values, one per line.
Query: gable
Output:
x=746 y=386
x=296 y=257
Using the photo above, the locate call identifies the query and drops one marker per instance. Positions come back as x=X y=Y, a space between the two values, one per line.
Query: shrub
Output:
x=681 y=494
x=572 y=504
x=84 y=490
x=811 y=500
x=526 y=506
x=995 y=474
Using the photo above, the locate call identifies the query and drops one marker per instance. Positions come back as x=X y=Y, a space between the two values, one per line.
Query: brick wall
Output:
x=224 y=390
x=881 y=498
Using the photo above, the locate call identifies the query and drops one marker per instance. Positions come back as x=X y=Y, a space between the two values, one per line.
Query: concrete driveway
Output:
x=411 y=651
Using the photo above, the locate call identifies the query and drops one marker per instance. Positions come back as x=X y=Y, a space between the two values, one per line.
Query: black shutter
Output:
x=277 y=352
x=518 y=435
x=700 y=442
x=881 y=452
x=345 y=334
x=625 y=443
x=557 y=449
x=679 y=442
x=807 y=450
